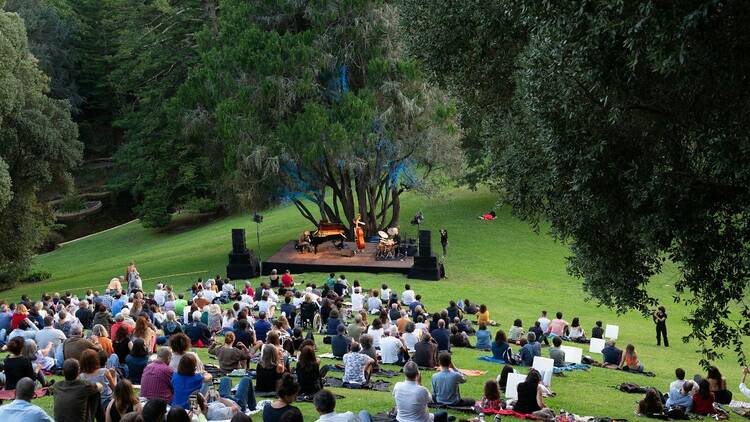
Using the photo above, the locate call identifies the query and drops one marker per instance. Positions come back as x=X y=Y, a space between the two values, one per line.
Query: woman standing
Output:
x=660 y=319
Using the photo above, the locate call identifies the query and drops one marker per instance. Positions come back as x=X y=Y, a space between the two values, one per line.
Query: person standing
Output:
x=444 y=241
x=660 y=318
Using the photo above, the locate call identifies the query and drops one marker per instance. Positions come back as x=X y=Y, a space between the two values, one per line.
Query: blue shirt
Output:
x=676 y=398
x=413 y=305
x=5 y=318
x=528 y=351
x=117 y=306
x=262 y=327
x=184 y=386
x=498 y=351
x=23 y=411
x=484 y=339
x=612 y=355
x=442 y=338
x=445 y=387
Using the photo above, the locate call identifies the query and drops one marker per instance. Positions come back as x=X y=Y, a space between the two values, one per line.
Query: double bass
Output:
x=359 y=233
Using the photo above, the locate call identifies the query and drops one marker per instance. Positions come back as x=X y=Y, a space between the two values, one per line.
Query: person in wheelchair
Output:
x=308 y=310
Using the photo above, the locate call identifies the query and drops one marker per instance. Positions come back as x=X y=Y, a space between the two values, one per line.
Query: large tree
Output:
x=624 y=125
x=38 y=145
x=316 y=102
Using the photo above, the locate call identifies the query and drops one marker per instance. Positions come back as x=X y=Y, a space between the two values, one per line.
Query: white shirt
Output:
x=227 y=288
x=338 y=417
x=677 y=385
x=744 y=390
x=411 y=402
x=357 y=301
x=160 y=296
x=376 y=335
x=410 y=339
x=544 y=323
x=389 y=348
x=209 y=295
x=264 y=305
x=385 y=294
x=407 y=297
x=373 y=304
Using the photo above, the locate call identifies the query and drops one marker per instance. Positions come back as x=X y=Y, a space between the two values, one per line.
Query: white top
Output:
x=385 y=294
x=744 y=390
x=389 y=348
x=373 y=304
x=544 y=323
x=407 y=297
x=160 y=296
x=410 y=339
x=357 y=301
x=376 y=336
x=338 y=417
x=411 y=402
x=209 y=294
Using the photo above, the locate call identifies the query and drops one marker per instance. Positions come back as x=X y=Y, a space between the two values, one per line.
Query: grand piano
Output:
x=333 y=232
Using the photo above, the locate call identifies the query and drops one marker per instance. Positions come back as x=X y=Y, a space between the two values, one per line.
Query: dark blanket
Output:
x=377 y=385
x=309 y=399
x=380 y=373
x=465 y=409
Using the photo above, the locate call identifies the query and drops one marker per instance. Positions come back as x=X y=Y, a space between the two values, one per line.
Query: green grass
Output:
x=502 y=263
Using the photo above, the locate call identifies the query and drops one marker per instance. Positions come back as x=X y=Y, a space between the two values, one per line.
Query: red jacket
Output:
x=16 y=319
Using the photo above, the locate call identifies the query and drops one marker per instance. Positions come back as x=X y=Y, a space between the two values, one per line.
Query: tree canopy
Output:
x=622 y=123
x=38 y=145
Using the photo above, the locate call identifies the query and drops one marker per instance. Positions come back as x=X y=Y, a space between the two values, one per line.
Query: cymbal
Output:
x=393 y=231
x=382 y=234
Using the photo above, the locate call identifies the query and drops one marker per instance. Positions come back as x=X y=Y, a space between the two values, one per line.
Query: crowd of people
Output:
x=125 y=354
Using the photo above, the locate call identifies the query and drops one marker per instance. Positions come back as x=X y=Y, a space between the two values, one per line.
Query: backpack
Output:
x=629 y=387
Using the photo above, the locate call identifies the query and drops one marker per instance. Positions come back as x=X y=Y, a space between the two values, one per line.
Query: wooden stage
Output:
x=330 y=259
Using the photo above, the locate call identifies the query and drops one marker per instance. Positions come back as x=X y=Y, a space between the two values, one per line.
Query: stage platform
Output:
x=330 y=259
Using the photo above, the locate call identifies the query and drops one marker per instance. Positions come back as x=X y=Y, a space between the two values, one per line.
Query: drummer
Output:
x=393 y=232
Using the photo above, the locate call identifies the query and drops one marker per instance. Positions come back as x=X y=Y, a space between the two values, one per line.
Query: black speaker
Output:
x=238 y=241
x=425 y=243
x=426 y=268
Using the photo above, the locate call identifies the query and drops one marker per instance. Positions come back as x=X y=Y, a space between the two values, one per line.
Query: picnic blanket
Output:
x=740 y=408
x=379 y=373
x=465 y=409
x=573 y=367
x=11 y=394
x=508 y=412
x=606 y=366
x=491 y=359
x=472 y=372
x=377 y=385
x=328 y=356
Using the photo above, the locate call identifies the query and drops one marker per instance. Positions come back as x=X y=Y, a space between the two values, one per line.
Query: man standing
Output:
x=445 y=383
x=21 y=409
x=75 y=399
x=444 y=241
x=412 y=399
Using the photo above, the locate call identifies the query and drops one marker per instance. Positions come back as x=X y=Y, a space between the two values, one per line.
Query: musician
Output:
x=359 y=233
x=305 y=241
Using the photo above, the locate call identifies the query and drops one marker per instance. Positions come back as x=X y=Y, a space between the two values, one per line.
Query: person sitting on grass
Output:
x=611 y=355
x=445 y=384
x=366 y=345
x=500 y=347
x=516 y=332
x=357 y=367
x=556 y=353
x=136 y=361
x=340 y=342
x=682 y=397
x=703 y=399
x=75 y=397
x=309 y=373
x=187 y=381
x=577 y=334
x=651 y=405
x=287 y=391
x=484 y=337
x=21 y=408
x=630 y=361
x=530 y=398
x=491 y=399
x=459 y=338
x=373 y=303
x=558 y=326
x=718 y=385
x=231 y=355
x=413 y=399
x=393 y=350
x=333 y=323
x=597 y=331
x=156 y=381
x=325 y=404
x=441 y=336
x=531 y=349
x=124 y=400
x=198 y=332
x=269 y=368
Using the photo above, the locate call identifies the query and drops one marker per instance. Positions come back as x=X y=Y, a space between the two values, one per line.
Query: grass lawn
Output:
x=501 y=263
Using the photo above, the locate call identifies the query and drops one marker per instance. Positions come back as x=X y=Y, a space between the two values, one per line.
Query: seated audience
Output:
x=459 y=338
x=516 y=332
x=74 y=346
x=413 y=399
x=357 y=367
x=124 y=400
x=597 y=331
x=287 y=392
x=703 y=399
x=556 y=353
x=231 y=355
x=340 y=342
x=21 y=408
x=531 y=349
x=136 y=361
x=530 y=394
x=682 y=397
x=484 y=337
x=611 y=355
x=445 y=383
x=576 y=332
x=410 y=336
x=491 y=399
x=91 y=370
x=558 y=326
x=392 y=348
x=185 y=381
x=376 y=332
x=16 y=365
x=500 y=347
x=325 y=405
x=651 y=405
x=75 y=398
x=269 y=369
x=308 y=371
x=198 y=332
x=180 y=345
x=156 y=381
x=442 y=336
x=718 y=386
x=425 y=352
x=630 y=361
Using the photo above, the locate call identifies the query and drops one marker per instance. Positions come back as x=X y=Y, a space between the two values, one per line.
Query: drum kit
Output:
x=388 y=248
